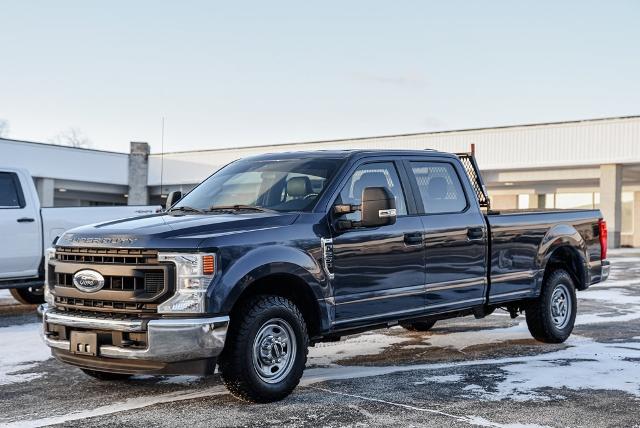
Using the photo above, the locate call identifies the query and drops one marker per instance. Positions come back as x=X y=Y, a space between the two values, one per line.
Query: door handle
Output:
x=475 y=233
x=413 y=238
x=26 y=220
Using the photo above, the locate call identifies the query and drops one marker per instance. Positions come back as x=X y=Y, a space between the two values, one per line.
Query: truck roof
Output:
x=351 y=153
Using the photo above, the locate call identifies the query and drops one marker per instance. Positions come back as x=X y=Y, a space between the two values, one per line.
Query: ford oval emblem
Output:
x=88 y=281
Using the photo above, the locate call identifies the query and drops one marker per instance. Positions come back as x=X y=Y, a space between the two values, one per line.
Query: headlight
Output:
x=194 y=273
x=49 y=254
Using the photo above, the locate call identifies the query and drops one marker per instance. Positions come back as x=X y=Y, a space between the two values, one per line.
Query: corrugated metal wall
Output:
x=592 y=142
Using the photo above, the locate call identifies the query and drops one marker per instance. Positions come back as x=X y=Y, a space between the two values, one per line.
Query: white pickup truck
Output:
x=27 y=230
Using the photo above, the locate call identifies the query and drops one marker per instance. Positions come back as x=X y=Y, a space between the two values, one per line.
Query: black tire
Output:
x=419 y=326
x=547 y=321
x=28 y=296
x=247 y=348
x=106 y=375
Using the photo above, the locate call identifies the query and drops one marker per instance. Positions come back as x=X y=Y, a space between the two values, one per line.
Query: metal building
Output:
x=588 y=163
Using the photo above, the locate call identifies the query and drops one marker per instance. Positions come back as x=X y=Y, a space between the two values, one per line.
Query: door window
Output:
x=380 y=174
x=9 y=192
x=439 y=186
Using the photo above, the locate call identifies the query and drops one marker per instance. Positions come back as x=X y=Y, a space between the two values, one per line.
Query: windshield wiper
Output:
x=186 y=209
x=239 y=208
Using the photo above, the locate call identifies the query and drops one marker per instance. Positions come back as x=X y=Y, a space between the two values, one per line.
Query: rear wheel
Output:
x=552 y=316
x=28 y=296
x=105 y=375
x=419 y=326
x=266 y=350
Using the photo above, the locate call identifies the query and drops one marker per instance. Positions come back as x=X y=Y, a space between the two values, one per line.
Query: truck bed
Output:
x=520 y=239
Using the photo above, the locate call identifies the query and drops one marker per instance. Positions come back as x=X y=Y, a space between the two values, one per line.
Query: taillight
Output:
x=602 y=225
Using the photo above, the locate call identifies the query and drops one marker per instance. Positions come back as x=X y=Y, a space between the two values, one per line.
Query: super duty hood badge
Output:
x=116 y=240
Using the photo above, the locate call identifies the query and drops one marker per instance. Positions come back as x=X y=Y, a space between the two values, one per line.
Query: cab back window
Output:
x=440 y=187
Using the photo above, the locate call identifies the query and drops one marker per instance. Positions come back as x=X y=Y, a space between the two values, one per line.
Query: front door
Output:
x=21 y=251
x=455 y=237
x=378 y=272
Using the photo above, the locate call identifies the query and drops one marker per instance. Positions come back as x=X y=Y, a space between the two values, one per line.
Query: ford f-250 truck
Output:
x=274 y=253
x=27 y=230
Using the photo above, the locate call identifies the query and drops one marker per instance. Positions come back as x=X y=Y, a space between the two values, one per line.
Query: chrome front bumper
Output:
x=168 y=340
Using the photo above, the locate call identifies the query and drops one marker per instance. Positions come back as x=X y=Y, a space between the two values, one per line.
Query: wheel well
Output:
x=291 y=287
x=567 y=258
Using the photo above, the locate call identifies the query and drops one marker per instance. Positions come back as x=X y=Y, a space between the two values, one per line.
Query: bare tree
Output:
x=72 y=137
x=4 y=128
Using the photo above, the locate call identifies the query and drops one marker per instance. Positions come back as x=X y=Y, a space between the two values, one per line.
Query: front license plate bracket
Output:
x=84 y=343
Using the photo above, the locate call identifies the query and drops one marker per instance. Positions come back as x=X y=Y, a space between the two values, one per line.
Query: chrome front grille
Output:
x=134 y=281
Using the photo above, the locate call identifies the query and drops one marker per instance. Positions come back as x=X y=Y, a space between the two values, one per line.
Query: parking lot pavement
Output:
x=465 y=372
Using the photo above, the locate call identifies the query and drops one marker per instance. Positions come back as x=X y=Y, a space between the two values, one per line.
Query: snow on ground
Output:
x=586 y=364
x=6 y=298
x=367 y=344
x=21 y=348
x=441 y=379
x=465 y=339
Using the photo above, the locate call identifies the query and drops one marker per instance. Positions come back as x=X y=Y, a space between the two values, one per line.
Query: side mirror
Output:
x=172 y=198
x=378 y=207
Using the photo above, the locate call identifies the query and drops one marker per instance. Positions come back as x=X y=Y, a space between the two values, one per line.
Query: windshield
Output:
x=280 y=185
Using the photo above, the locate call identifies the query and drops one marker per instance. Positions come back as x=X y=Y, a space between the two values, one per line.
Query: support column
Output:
x=138 y=174
x=636 y=220
x=611 y=201
x=46 y=191
x=534 y=201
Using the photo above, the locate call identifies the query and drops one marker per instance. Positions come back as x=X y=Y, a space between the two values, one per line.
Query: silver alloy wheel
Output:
x=274 y=350
x=561 y=306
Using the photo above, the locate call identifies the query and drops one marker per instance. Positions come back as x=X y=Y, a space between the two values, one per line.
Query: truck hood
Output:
x=162 y=231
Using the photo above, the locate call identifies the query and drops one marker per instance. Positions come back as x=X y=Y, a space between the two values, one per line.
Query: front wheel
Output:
x=266 y=350
x=551 y=317
x=28 y=296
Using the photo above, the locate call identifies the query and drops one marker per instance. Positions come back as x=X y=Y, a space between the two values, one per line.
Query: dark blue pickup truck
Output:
x=274 y=253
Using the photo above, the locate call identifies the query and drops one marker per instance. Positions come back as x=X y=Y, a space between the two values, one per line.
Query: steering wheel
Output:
x=310 y=195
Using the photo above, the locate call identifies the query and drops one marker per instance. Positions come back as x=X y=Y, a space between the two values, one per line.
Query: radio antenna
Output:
x=162 y=158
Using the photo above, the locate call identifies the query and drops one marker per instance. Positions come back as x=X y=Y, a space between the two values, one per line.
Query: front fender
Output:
x=258 y=263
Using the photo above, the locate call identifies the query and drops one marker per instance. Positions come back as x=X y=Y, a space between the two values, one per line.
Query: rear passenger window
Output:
x=439 y=186
x=8 y=191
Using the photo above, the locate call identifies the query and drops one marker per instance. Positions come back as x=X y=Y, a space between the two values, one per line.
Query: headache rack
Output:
x=471 y=167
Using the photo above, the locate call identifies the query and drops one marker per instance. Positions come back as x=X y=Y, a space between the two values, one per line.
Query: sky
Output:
x=232 y=74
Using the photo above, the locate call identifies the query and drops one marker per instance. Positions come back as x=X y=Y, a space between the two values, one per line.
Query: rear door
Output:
x=455 y=235
x=378 y=272
x=20 y=250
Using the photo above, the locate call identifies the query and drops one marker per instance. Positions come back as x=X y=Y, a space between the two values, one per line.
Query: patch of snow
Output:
x=465 y=339
x=6 y=298
x=180 y=380
x=621 y=251
x=601 y=318
x=441 y=379
x=586 y=364
x=21 y=349
x=589 y=365
x=416 y=347
x=367 y=344
x=614 y=281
